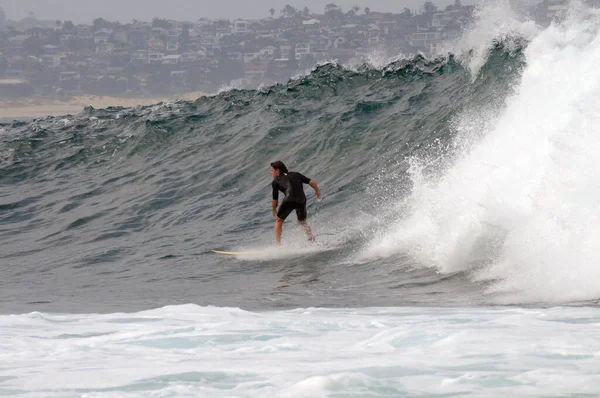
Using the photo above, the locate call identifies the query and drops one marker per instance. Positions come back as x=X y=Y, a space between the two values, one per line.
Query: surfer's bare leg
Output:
x=278 y=230
x=307 y=230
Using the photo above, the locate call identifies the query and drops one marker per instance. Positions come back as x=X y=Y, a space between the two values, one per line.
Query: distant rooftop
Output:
x=12 y=81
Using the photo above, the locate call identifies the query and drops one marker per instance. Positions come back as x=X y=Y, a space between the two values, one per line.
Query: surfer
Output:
x=290 y=183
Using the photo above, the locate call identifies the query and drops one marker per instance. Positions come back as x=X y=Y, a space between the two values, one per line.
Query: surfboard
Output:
x=234 y=253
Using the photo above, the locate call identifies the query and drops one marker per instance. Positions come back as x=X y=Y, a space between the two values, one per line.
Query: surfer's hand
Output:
x=274 y=213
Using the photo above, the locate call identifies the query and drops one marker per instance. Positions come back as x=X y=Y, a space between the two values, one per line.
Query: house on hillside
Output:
x=267 y=53
x=286 y=51
x=423 y=40
x=255 y=70
x=105 y=48
x=102 y=36
x=155 y=57
x=302 y=49
x=171 y=60
x=240 y=27
x=139 y=57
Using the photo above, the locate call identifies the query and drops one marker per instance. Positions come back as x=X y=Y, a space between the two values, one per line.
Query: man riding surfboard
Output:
x=291 y=184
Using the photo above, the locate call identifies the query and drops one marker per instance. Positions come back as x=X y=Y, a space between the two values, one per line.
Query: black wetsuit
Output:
x=291 y=185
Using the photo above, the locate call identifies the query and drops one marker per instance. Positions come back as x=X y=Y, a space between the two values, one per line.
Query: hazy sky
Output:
x=190 y=10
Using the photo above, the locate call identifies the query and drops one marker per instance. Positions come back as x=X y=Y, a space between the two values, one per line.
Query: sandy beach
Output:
x=36 y=107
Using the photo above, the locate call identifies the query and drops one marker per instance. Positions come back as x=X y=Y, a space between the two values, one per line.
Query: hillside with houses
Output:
x=60 y=58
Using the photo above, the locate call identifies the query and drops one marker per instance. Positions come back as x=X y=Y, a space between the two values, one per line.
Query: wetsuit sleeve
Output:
x=304 y=179
x=275 y=190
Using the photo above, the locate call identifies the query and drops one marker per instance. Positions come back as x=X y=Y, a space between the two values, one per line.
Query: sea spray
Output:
x=530 y=181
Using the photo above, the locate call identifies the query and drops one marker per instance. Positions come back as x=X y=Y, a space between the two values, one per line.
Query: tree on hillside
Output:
x=367 y=10
x=68 y=26
x=457 y=4
x=428 y=7
x=407 y=13
x=272 y=12
x=332 y=11
x=54 y=38
x=33 y=45
x=185 y=37
x=352 y=12
x=289 y=11
x=306 y=12
x=161 y=23
x=100 y=23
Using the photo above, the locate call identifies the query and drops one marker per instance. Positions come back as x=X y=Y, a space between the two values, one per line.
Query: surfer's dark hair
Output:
x=278 y=165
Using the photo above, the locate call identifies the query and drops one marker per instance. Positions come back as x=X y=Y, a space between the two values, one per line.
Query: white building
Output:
x=309 y=22
x=69 y=76
x=267 y=53
x=171 y=59
x=249 y=57
x=423 y=39
x=191 y=56
x=105 y=48
x=139 y=57
x=156 y=57
x=102 y=36
x=51 y=60
x=240 y=27
x=302 y=49
x=285 y=51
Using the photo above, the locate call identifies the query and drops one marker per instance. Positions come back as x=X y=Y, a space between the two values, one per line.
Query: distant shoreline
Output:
x=27 y=108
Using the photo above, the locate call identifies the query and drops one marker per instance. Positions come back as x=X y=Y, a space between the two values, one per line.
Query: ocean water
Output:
x=191 y=351
x=457 y=235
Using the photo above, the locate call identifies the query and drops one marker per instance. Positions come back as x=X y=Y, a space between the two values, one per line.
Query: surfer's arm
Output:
x=313 y=185
x=275 y=201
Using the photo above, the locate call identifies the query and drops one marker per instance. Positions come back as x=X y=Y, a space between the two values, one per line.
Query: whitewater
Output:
x=191 y=351
x=458 y=232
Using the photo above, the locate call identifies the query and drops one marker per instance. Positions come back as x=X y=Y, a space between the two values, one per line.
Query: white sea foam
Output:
x=224 y=352
x=522 y=205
